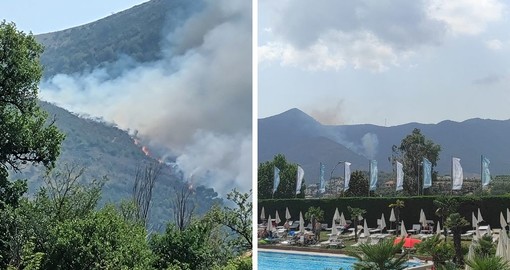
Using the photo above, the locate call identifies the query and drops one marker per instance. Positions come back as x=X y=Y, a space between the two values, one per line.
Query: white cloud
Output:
x=330 y=35
x=371 y=35
x=333 y=51
x=494 y=44
x=466 y=16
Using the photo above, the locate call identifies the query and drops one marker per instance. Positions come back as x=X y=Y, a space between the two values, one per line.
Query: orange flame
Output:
x=145 y=150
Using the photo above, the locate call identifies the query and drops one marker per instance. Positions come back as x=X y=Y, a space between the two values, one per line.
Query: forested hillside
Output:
x=136 y=33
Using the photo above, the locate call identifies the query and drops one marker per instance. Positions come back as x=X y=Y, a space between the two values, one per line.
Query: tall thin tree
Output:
x=145 y=179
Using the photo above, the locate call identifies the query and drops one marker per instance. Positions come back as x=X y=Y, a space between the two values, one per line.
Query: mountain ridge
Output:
x=462 y=139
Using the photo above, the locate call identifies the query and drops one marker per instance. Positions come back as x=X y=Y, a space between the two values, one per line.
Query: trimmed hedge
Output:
x=490 y=207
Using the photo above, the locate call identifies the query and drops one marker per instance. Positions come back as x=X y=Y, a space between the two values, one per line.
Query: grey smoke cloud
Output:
x=370 y=142
x=195 y=101
x=328 y=114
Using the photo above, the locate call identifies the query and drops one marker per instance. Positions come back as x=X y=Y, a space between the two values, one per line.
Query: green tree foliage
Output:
x=66 y=196
x=288 y=174
x=358 y=186
x=101 y=240
x=25 y=135
x=411 y=151
x=192 y=247
x=397 y=205
x=237 y=219
x=446 y=205
x=29 y=259
x=356 y=213
x=380 y=256
x=456 y=223
x=315 y=212
x=484 y=246
x=440 y=250
x=241 y=263
x=488 y=263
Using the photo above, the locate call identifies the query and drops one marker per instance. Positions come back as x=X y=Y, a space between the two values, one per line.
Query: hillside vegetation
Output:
x=104 y=150
x=136 y=33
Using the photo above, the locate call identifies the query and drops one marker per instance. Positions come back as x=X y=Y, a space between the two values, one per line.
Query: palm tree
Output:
x=396 y=207
x=380 y=256
x=455 y=222
x=440 y=250
x=355 y=214
x=488 y=263
x=315 y=215
x=485 y=247
x=446 y=205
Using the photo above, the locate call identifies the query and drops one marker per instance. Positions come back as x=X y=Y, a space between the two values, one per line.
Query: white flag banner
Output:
x=486 y=174
x=457 y=175
x=347 y=175
x=322 y=187
x=276 y=179
x=299 y=179
x=400 y=176
x=373 y=174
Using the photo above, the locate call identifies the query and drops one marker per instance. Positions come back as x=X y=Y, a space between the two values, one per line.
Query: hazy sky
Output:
x=54 y=15
x=385 y=62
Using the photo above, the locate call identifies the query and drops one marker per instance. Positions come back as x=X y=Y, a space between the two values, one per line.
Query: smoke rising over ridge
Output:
x=196 y=101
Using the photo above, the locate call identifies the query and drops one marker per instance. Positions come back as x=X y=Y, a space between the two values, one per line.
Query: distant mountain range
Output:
x=305 y=141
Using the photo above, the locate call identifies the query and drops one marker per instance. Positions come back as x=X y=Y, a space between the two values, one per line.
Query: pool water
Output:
x=297 y=261
x=294 y=261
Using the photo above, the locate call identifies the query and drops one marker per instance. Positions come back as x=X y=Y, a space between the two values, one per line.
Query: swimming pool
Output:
x=268 y=260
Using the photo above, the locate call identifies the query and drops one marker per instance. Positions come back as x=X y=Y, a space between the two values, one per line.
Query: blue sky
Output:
x=54 y=15
x=384 y=62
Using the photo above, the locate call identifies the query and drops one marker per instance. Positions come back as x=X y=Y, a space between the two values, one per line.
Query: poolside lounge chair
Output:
x=336 y=243
x=416 y=229
x=293 y=225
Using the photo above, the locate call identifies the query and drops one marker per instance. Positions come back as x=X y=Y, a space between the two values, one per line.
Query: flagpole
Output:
x=345 y=179
x=297 y=179
x=331 y=175
x=396 y=180
x=451 y=169
x=319 y=189
x=418 y=177
x=481 y=170
x=369 y=176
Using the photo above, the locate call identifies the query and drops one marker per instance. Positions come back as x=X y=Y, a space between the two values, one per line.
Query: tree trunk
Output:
x=355 y=231
x=459 y=260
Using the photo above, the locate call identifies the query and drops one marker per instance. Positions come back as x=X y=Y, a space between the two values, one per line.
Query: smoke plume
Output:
x=370 y=143
x=196 y=101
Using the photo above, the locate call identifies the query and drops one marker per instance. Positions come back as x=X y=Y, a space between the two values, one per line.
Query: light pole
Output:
x=331 y=175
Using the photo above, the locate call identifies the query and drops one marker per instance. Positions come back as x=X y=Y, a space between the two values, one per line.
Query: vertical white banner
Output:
x=457 y=175
x=373 y=174
x=299 y=179
x=400 y=176
x=347 y=175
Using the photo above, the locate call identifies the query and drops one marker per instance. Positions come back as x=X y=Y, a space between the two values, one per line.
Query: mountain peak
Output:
x=295 y=115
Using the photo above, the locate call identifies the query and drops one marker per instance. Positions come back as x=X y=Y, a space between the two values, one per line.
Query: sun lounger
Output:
x=293 y=225
x=336 y=243
x=416 y=229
